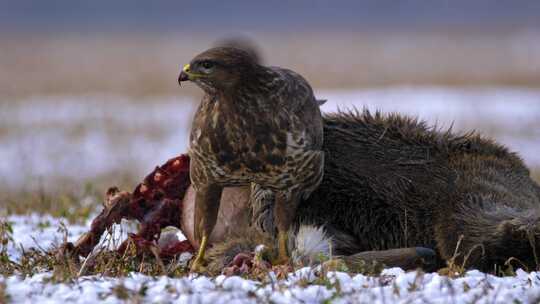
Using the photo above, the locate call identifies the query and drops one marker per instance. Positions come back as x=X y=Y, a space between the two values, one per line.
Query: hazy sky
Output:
x=169 y=15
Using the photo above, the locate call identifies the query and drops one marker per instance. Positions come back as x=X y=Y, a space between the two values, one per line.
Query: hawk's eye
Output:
x=207 y=65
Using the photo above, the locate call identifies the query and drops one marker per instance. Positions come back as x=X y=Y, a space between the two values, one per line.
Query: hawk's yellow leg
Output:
x=207 y=200
x=283 y=256
x=198 y=264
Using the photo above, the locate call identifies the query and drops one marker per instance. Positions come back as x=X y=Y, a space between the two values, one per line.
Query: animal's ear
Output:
x=320 y=102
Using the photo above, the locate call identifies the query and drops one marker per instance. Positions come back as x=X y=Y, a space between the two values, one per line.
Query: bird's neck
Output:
x=252 y=90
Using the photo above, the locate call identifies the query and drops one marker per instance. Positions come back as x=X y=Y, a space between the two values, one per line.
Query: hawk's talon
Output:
x=199 y=262
x=283 y=256
x=198 y=266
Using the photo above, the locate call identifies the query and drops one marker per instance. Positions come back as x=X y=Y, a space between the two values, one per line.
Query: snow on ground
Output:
x=45 y=232
x=84 y=137
x=394 y=286
x=303 y=286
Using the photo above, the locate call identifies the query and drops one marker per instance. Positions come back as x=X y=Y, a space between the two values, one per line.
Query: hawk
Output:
x=258 y=126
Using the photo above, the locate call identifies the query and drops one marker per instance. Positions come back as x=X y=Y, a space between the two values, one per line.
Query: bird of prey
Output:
x=258 y=126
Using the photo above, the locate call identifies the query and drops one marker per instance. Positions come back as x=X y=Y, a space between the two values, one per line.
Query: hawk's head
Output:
x=219 y=68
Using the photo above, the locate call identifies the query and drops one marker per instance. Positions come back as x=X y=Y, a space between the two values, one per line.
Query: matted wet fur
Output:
x=222 y=253
x=391 y=181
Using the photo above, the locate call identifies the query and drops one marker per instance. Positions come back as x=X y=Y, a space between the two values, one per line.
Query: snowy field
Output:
x=80 y=138
x=304 y=286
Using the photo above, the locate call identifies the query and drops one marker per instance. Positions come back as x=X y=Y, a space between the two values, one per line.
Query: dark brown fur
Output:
x=222 y=253
x=393 y=182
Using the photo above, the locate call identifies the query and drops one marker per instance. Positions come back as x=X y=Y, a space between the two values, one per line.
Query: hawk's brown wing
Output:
x=298 y=106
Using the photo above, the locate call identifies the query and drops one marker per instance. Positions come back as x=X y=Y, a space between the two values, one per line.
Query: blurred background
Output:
x=89 y=95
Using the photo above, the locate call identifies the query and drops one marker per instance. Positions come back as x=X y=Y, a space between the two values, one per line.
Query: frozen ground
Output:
x=81 y=138
x=303 y=286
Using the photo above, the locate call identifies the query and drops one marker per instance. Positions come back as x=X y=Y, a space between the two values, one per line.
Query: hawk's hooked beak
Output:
x=187 y=74
x=184 y=75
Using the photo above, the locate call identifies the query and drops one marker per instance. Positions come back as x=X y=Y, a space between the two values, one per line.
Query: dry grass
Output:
x=136 y=65
x=76 y=204
x=66 y=268
x=72 y=200
x=104 y=262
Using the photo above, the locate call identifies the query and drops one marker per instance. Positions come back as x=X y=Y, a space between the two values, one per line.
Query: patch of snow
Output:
x=406 y=287
x=45 y=232
x=303 y=286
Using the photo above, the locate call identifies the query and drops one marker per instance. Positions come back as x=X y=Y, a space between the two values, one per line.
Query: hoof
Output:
x=335 y=265
x=427 y=258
